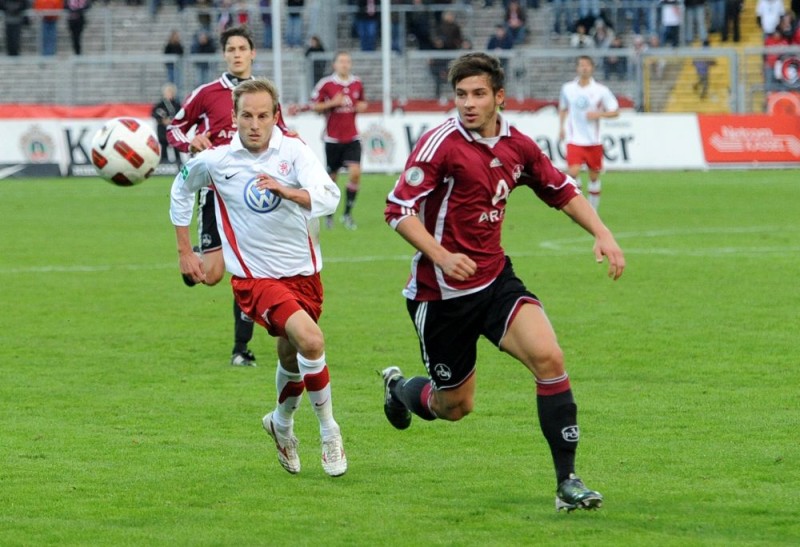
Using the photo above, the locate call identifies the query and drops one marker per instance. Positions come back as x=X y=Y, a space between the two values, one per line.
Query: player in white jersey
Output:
x=270 y=191
x=582 y=104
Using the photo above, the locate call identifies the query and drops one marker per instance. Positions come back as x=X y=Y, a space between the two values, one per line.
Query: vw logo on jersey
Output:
x=582 y=103
x=260 y=201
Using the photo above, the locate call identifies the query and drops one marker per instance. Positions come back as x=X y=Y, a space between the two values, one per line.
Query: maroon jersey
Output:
x=341 y=121
x=459 y=186
x=208 y=109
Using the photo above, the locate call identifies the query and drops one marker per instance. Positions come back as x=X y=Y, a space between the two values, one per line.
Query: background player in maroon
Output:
x=208 y=111
x=449 y=203
x=340 y=96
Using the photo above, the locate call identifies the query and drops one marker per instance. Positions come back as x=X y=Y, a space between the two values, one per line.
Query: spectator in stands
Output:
x=367 y=18
x=500 y=39
x=768 y=15
x=615 y=65
x=637 y=12
x=48 y=11
x=695 y=20
x=294 y=23
x=418 y=24
x=266 y=18
x=163 y=112
x=733 y=12
x=448 y=37
x=671 y=18
x=771 y=82
x=498 y=43
x=76 y=20
x=562 y=11
x=716 y=18
x=319 y=66
x=515 y=22
x=203 y=45
x=702 y=67
x=580 y=38
x=15 y=18
x=174 y=47
x=602 y=34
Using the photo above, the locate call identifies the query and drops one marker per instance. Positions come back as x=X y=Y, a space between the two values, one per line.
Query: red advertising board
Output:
x=750 y=139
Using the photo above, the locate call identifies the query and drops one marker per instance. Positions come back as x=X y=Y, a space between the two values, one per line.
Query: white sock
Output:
x=318 y=386
x=289 y=386
x=594 y=193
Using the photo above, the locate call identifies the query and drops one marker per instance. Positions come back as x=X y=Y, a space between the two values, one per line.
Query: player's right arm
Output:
x=193 y=176
x=190 y=115
x=456 y=265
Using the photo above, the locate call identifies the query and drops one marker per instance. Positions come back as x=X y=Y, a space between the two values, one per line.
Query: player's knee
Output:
x=455 y=411
x=311 y=345
x=548 y=363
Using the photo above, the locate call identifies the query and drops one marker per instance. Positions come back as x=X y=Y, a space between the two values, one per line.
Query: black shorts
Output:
x=448 y=330
x=207 y=233
x=339 y=154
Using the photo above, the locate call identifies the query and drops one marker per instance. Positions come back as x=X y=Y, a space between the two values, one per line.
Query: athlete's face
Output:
x=477 y=104
x=342 y=66
x=585 y=69
x=239 y=56
x=255 y=119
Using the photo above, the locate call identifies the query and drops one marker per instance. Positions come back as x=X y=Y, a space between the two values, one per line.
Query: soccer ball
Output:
x=125 y=151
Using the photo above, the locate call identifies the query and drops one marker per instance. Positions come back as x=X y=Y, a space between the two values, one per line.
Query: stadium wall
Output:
x=55 y=141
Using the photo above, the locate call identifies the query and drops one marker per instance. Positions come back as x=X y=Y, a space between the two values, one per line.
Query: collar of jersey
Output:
x=274 y=141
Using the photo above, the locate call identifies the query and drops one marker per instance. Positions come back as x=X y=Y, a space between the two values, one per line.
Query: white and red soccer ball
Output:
x=125 y=151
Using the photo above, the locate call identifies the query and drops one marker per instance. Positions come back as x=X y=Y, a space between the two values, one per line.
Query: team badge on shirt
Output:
x=284 y=168
x=414 y=176
x=260 y=201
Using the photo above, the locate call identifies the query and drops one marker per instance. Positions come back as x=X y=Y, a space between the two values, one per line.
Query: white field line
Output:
x=565 y=246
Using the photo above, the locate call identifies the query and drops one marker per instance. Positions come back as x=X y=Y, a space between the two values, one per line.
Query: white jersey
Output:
x=263 y=236
x=578 y=101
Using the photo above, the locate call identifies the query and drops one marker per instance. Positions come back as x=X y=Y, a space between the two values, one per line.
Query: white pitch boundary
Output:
x=564 y=246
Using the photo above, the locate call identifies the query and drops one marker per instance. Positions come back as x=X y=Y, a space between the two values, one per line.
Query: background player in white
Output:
x=271 y=190
x=449 y=204
x=581 y=106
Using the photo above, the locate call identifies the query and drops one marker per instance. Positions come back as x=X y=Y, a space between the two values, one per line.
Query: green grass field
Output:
x=121 y=422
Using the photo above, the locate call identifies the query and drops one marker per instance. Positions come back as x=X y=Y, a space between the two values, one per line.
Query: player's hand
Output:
x=606 y=245
x=458 y=266
x=594 y=115
x=200 y=142
x=192 y=266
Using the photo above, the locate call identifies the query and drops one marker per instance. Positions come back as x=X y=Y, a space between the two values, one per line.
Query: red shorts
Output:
x=592 y=156
x=270 y=302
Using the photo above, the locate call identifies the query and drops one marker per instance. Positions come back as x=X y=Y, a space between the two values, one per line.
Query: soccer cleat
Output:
x=334 y=460
x=286 y=445
x=349 y=223
x=243 y=359
x=396 y=412
x=572 y=494
x=187 y=279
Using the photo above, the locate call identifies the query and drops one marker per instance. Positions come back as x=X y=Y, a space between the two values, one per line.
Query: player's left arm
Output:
x=316 y=193
x=579 y=209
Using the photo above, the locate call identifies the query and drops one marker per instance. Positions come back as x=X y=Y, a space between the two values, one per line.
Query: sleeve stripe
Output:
x=428 y=150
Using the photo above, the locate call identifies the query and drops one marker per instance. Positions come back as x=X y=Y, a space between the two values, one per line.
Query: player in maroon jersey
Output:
x=340 y=96
x=449 y=203
x=208 y=110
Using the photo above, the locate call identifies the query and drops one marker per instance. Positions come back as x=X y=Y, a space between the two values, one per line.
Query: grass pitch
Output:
x=121 y=422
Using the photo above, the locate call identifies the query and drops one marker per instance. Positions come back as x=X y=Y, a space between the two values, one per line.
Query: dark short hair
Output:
x=236 y=31
x=478 y=64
